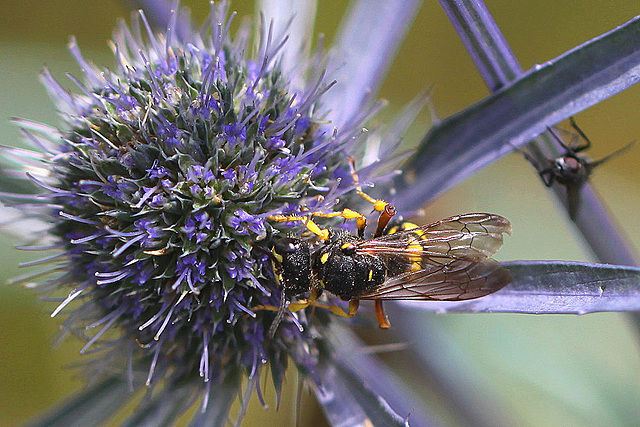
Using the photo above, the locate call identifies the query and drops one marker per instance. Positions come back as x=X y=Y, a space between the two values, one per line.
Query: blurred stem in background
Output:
x=498 y=66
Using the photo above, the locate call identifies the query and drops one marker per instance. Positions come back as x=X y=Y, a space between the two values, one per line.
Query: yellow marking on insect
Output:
x=276 y=274
x=418 y=232
x=405 y=226
x=277 y=256
x=370 y=275
x=346 y=246
x=324 y=258
x=414 y=249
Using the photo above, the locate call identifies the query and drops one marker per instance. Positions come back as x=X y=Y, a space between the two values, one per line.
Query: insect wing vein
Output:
x=472 y=237
x=457 y=280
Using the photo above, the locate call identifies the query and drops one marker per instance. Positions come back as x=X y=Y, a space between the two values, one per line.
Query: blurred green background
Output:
x=545 y=370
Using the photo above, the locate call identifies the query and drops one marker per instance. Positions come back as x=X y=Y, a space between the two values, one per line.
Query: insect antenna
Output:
x=279 y=315
x=384 y=218
x=615 y=153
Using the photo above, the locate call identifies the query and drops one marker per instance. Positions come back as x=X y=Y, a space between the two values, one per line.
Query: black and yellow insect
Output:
x=447 y=260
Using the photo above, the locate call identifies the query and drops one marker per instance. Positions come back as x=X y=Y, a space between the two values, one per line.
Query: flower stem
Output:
x=498 y=66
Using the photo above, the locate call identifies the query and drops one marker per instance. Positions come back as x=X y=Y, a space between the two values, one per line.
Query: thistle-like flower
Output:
x=158 y=188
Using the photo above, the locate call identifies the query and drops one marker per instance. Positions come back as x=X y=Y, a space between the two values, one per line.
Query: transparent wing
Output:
x=472 y=237
x=457 y=280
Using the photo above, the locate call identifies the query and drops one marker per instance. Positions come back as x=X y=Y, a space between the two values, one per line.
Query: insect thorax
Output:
x=571 y=170
x=344 y=272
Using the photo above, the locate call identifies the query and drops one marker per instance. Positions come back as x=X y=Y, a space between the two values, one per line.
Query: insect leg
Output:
x=346 y=213
x=587 y=143
x=387 y=210
x=279 y=316
x=361 y=221
x=322 y=233
x=560 y=141
x=546 y=175
x=292 y=307
x=384 y=218
x=281 y=312
x=353 y=308
x=383 y=320
x=302 y=304
x=338 y=311
x=378 y=204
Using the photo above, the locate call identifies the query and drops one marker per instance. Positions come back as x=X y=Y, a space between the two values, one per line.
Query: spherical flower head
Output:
x=159 y=189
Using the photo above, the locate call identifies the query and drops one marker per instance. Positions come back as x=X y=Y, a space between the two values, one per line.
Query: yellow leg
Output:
x=383 y=320
x=361 y=220
x=353 y=308
x=322 y=233
x=293 y=307
x=379 y=205
x=387 y=210
x=302 y=304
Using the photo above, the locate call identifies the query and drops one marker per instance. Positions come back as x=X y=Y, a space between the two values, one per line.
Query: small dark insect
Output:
x=448 y=260
x=572 y=169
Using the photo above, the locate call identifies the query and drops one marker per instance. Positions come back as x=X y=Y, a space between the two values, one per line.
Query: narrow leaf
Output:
x=369 y=385
x=161 y=410
x=475 y=137
x=555 y=287
x=345 y=398
x=366 y=45
x=216 y=414
x=484 y=41
x=91 y=407
x=295 y=19
x=446 y=369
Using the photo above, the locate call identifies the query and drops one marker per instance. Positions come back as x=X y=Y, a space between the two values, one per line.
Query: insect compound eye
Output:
x=568 y=164
x=572 y=164
x=286 y=246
